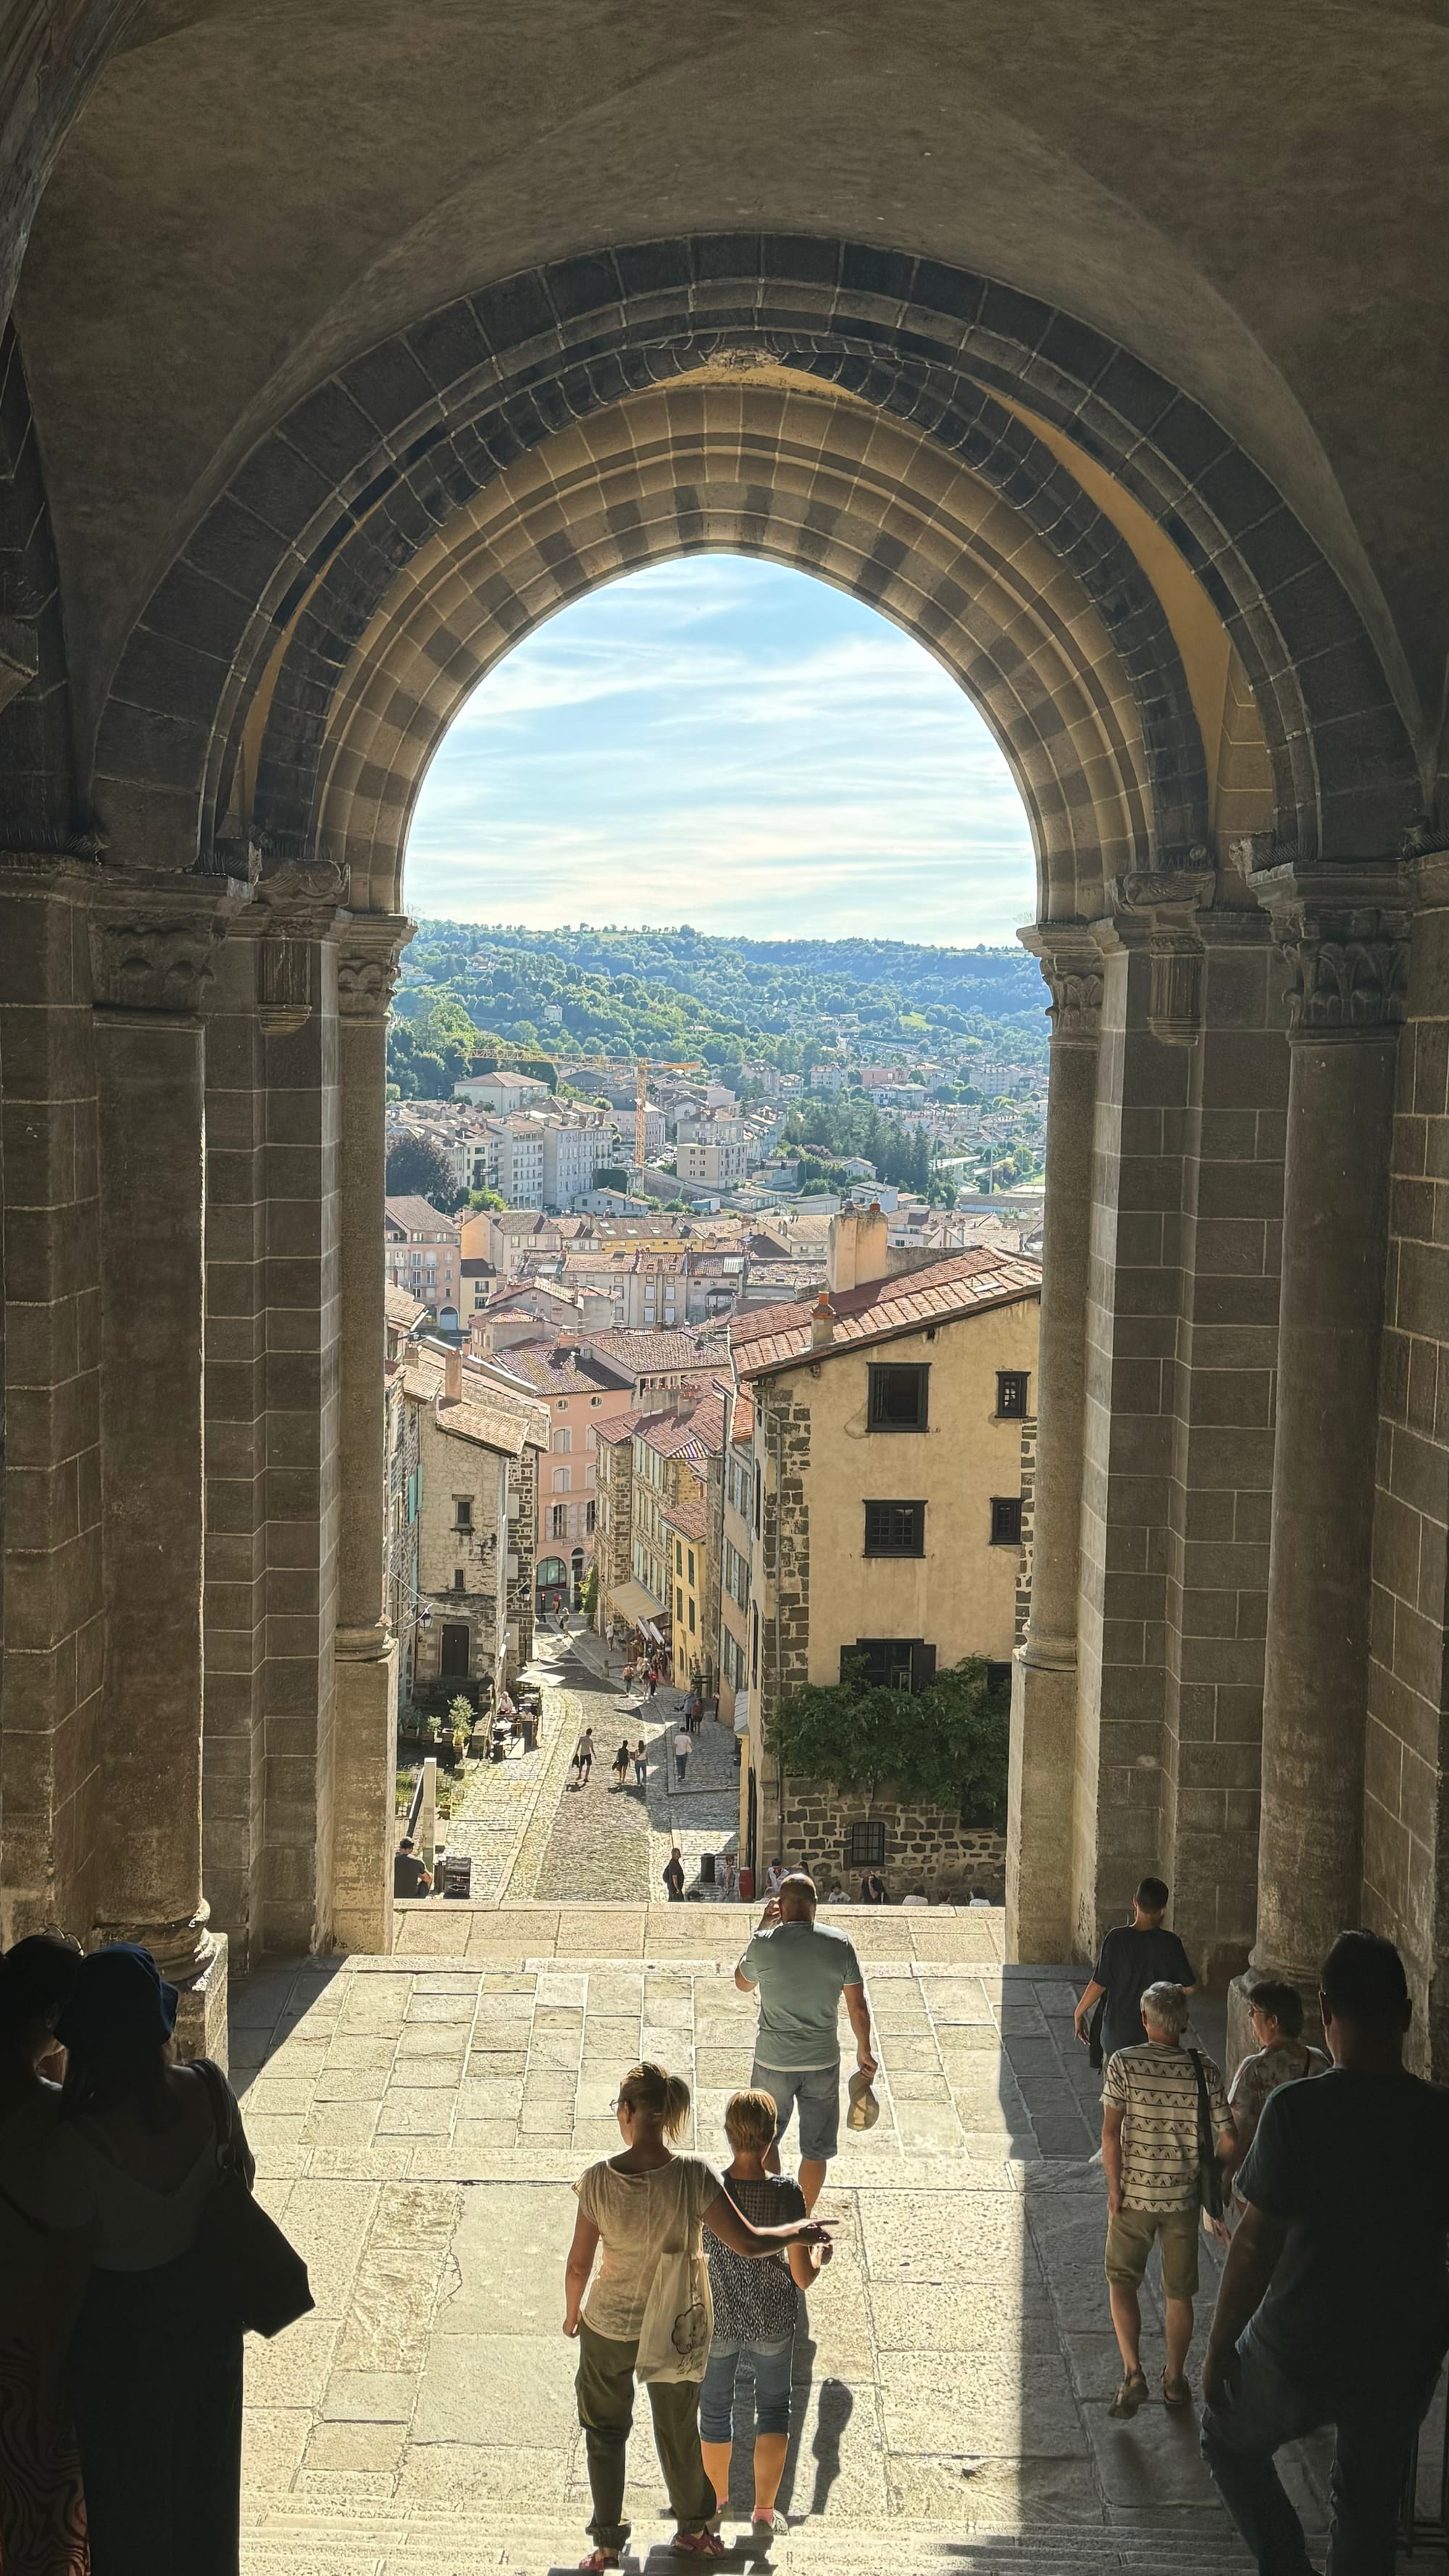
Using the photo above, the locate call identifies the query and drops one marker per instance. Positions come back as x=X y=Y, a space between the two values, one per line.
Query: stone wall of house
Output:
x=926 y=1847
x=1028 y=1528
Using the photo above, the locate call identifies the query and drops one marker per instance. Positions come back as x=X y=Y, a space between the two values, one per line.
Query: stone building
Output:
x=421 y=1256
x=734 y=1550
x=582 y=1393
x=475 y=1513
x=1144 y=443
x=886 y=1523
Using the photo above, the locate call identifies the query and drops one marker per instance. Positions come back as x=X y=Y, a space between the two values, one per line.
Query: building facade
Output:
x=422 y=1257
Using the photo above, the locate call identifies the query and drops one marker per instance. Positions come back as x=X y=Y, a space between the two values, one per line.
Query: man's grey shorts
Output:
x=817 y=2090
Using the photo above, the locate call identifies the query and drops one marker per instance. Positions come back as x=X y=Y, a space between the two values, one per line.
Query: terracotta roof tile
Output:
x=690 y=1519
x=775 y=1337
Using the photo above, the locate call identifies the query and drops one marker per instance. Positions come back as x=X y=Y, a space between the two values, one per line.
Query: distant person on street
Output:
x=774 y=1877
x=1133 y=1957
x=622 y=1760
x=681 y=1756
x=1283 y=2056
x=1334 y=2304
x=917 y=1896
x=653 y=1681
x=409 y=1878
x=641 y=1765
x=802 y=1968
x=584 y=1756
x=1150 y=2104
x=837 y=1894
x=755 y=2315
x=873 y=1889
x=674 y=1876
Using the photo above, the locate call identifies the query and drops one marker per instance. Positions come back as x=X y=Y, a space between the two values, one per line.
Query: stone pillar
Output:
x=366 y=1714
x=153 y=946
x=1343 y=934
x=1044 y=1673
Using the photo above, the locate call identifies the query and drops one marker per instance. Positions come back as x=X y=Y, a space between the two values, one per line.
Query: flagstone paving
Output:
x=418 y=2123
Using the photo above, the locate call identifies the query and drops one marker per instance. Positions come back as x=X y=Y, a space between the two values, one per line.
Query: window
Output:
x=462 y=1511
x=889 y=1663
x=1006 y=1520
x=898 y=1399
x=563 y=1480
x=691 y=1618
x=679 y=1556
x=691 y=1565
x=867 y=1846
x=755 y=1647
x=679 y=1606
x=457 y=1578
x=558 y=1521
x=563 y=1441
x=589 y=1520
x=998 y=1676
x=759 y=1501
x=1011 y=1394
x=895 y=1529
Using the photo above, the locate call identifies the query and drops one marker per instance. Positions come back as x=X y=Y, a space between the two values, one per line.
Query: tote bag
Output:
x=260 y=2276
x=678 y=2315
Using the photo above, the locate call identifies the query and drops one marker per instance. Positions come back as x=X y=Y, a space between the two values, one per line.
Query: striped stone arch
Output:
x=291 y=562
x=766 y=470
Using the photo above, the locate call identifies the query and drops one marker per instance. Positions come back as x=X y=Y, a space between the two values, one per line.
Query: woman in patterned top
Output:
x=1283 y=2056
x=755 y=2312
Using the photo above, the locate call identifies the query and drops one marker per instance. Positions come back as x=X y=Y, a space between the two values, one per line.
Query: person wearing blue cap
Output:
x=42 y=2516
x=154 y=2370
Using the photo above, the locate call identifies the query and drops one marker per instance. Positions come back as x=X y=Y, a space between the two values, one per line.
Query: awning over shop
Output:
x=632 y=1602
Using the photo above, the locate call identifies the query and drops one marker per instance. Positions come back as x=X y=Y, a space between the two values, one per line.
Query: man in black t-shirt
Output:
x=1334 y=2305
x=1133 y=1957
x=409 y=1878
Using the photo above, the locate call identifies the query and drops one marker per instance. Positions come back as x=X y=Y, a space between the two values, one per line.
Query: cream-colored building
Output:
x=891 y=1423
x=475 y=1511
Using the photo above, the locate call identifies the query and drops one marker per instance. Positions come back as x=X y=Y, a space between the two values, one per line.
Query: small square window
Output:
x=998 y=1676
x=1006 y=1520
x=1012 y=1387
x=457 y=1578
x=867 y=1846
x=895 y=1529
x=463 y=1511
x=898 y=1398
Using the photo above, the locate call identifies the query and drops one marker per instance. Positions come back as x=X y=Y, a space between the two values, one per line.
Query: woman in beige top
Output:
x=631 y=2208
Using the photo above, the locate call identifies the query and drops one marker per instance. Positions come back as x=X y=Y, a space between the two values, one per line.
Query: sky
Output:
x=731 y=744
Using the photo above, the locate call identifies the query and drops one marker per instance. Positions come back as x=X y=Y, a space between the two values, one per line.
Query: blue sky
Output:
x=731 y=744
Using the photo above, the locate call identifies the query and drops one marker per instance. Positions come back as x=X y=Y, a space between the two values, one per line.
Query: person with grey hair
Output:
x=1151 y=2097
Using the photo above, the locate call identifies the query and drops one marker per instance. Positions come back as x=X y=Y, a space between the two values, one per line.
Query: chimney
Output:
x=822 y=1322
x=872 y=1246
x=453 y=1378
x=840 y=1250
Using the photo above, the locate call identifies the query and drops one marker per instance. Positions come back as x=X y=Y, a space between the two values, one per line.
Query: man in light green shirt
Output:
x=801 y=1969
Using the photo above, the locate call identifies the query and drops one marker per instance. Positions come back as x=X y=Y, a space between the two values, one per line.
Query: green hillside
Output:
x=586 y=991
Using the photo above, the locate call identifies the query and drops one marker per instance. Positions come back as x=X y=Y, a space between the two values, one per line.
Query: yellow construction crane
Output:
x=645 y=1066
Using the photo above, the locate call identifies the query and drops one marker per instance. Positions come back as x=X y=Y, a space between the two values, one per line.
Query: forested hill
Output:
x=682 y=993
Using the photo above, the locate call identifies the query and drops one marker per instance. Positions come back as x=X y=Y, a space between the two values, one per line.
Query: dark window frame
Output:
x=1009 y=1383
x=865 y=1846
x=885 y=1542
x=883 y=1375
x=891 y=1663
x=1006 y=1520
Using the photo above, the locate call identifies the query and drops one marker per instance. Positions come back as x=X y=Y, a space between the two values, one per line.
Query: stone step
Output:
x=455 y=2545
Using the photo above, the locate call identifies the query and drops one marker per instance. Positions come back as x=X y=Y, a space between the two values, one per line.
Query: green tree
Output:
x=419 y=1169
x=482 y=1201
x=945 y=1745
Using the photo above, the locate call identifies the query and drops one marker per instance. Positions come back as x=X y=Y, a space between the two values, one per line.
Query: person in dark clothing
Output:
x=409 y=1878
x=1334 y=2305
x=674 y=1876
x=873 y=1889
x=1133 y=1957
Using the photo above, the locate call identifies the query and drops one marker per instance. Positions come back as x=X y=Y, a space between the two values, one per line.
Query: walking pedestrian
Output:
x=42 y=2266
x=674 y=1876
x=1334 y=2303
x=622 y=1760
x=1133 y=1957
x=802 y=1969
x=653 y=1679
x=681 y=1756
x=755 y=2315
x=641 y=1765
x=584 y=1756
x=646 y=2314
x=1283 y=2056
x=1151 y=2102
x=154 y=2371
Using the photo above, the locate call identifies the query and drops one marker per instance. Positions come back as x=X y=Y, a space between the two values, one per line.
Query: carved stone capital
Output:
x=296 y=905
x=369 y=952
x=1071 y=969
x=1343 y=934
x=1161 y=910
x=154 y=945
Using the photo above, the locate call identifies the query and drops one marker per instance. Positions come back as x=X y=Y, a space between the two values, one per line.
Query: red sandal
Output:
x=698 y=2544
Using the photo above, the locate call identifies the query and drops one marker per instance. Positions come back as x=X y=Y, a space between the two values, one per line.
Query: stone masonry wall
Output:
x=1028 y=1529
x=926 y=1847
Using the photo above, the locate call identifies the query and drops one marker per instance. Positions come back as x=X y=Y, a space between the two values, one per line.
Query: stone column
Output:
x=369 y=947
x=1044 y=1675
x=1343 y=932
x=153 y=945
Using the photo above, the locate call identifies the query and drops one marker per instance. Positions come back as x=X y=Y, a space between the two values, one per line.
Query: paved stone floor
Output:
x=418 y=2122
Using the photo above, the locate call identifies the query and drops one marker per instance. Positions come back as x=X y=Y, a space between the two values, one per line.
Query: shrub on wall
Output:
x=946 y=1745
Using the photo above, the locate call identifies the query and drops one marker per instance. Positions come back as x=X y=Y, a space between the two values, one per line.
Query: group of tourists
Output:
x=120 y=2340
x=1326 y=2174
x=685 y=2320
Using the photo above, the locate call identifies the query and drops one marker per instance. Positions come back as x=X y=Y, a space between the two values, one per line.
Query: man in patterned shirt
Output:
x=1150 y=2155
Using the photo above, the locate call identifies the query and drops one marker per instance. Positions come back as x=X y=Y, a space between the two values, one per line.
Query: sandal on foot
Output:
x=1131 y=2394
x=598 y=2560
x=1175 y=2393
x=697 y=2544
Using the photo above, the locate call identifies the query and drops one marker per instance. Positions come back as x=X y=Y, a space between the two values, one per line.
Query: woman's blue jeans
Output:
x=770 y=2363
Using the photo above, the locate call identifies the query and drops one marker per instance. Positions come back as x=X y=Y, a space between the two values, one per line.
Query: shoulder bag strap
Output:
x=218 y=2093
x=34 y=2225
